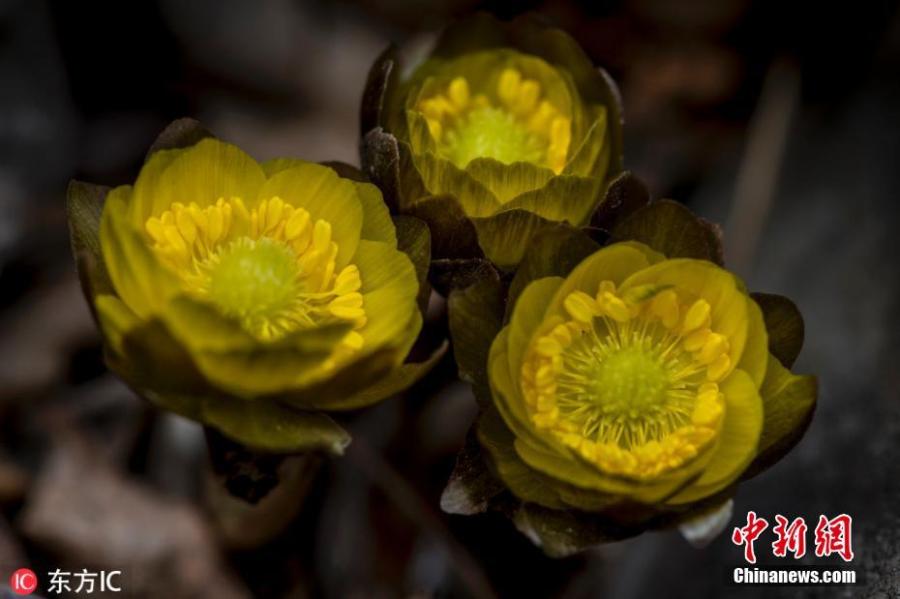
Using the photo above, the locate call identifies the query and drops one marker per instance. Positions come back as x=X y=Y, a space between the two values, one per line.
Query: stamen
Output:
x=271 y=267
x=697 y=316
x=516 y=125
x=623 y=384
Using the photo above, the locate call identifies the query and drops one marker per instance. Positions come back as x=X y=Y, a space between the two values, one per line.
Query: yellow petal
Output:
x=377 y=224
x=738 y=438
x=389 y=289
x=326 y=197
x=728 y=304
x=203 y=173
x=527 y=315
x=116 y=320
x=506 y=394
x=754 y=361
x=140 y=280
x=440 y=176
x=613 y=263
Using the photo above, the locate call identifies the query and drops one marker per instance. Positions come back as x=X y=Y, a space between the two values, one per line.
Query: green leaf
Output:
x=378 y=81
x=672 y=229
x=624 y=195
x=410 y=184
x=471 y=486
x=399 y=379
x=448 y=274
x=523 y=482
x=554 y=252
x=784 y=324
x=84 y=205
x=182 y=133
x=261 y=424
x=270 y=426
x=414 y=239
x=475 y=316
x=452 y=233
x=380 y=159
x=506 y=236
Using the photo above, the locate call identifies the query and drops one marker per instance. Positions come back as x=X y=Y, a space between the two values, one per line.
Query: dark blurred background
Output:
x=781 y=120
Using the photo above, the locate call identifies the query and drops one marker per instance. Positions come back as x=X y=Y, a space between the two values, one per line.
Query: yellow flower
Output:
x=635 y=380
x=511 y=118
x=250 y=296
x=506 y=126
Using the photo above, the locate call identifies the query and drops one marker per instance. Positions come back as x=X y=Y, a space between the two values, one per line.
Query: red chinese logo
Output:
x=791 y=537
x=748 y=534
x=832 y=536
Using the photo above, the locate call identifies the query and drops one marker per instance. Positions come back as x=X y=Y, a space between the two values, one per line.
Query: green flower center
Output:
x=625 y=391
x=491 y=133
x=270 y=267
x=630 y=384
x=511 y=123
x=630 y=372
x=254 y=278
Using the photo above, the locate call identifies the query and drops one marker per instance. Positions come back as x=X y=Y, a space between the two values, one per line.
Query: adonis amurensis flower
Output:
x=510 y=120
x=507 y=126
x=632 y=385
x=252 y=297
x=634 y=380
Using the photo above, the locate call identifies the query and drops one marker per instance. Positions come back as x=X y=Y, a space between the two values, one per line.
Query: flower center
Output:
x=254 y=278
x=492 y=133
x=271 y=267
x=630 y=384
x=627 y=372
x=512 y=124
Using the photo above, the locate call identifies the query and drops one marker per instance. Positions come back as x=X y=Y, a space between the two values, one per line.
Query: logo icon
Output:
x=23 y=581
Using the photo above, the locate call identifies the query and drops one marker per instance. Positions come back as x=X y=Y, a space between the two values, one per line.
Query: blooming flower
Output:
x=250 y=296
x=506 y=126
x=634 y=391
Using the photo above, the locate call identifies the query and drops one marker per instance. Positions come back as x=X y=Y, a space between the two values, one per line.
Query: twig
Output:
x=399 y=492
x=757 y=177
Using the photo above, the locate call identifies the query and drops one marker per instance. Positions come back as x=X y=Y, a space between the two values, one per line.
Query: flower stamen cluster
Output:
x=271 y=267
x=629 y=380
x=511 y=122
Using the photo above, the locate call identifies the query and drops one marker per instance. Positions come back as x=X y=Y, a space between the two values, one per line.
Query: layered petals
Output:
x=239 y=290
x=503 y=119
x=635 y=380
